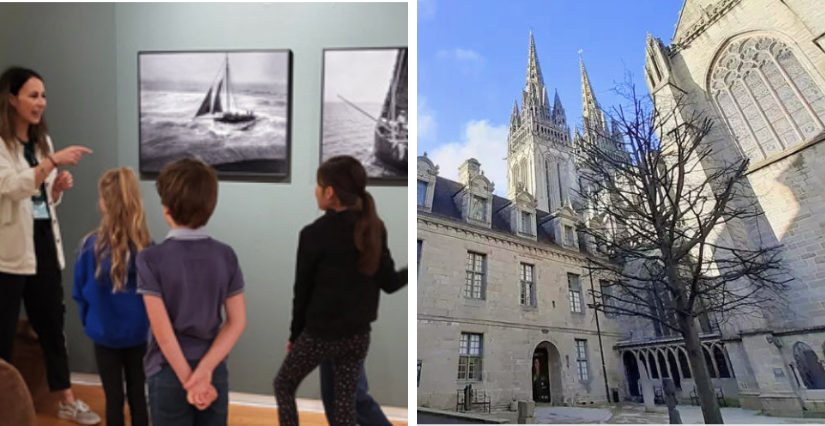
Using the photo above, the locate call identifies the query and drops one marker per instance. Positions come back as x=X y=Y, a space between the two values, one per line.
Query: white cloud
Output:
x=426 y=9
x=460 y=54
x=483 y=141
x=426 y=120
x=468 y=62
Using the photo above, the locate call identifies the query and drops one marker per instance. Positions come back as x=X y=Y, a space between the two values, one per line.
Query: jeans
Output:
x=168 y=404
x=368 y=412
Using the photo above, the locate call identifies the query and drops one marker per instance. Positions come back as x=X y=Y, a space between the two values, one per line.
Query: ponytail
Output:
x=368 y=236
x=348 y=178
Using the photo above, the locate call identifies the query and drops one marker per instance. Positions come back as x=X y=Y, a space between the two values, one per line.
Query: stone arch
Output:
x=525 y=174
x=766 y=92
x=661 y=358
x=709 y=362
x=684 y=363
x=675 y=370
x=632 y=373
x=721 y=358
x=480 y=183
x=652 y=364
x=546 y=373
x=809 y=366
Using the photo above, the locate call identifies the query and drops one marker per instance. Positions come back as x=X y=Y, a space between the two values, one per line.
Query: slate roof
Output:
x=445 y=207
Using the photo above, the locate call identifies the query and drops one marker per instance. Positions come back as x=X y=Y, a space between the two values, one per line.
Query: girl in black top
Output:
x=343 y=264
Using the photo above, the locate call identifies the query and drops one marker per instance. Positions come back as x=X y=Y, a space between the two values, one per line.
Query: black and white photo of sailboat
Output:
x=229 y=109
x=365 y=112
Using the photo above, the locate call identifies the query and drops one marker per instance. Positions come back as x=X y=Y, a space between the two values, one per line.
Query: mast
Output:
x=228 y=101
x=394 y=85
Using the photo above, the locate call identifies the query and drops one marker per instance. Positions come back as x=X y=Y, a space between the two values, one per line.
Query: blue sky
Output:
x=472 y=64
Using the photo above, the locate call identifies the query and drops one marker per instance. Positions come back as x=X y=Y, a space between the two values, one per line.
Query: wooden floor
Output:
x=28 y=360
x=239 y=415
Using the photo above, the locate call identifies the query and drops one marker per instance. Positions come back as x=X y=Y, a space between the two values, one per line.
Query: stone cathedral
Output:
x=503 y=300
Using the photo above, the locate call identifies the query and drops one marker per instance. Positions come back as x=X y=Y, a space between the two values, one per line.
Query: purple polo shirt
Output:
x=194 y=275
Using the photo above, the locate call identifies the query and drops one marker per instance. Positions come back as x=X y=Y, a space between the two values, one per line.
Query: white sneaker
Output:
x=78 y=412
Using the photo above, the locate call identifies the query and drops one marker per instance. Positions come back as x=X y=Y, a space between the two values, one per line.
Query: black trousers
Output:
x=43 y=296
x=347 y=356
x=114 y=364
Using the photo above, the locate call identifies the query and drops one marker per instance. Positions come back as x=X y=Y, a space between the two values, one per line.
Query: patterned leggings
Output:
x=347 y=356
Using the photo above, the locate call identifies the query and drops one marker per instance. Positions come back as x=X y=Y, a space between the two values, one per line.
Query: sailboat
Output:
x=221 y=109
x=391 y=128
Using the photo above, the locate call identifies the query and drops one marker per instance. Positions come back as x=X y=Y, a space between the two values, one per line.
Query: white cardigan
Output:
x=16 y=224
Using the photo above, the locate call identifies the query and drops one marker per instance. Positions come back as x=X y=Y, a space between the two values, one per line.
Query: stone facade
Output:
x=756 y=67
x=502 y=293
x=511 y=330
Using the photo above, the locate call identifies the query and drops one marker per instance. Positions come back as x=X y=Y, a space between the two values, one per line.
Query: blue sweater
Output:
x=114 y=320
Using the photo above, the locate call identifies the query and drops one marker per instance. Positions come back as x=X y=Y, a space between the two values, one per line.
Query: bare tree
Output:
x=658 y=202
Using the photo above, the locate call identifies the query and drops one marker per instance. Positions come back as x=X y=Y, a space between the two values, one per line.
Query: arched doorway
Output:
x=674 y=369
x=631 y=367
x=546 y=374
x=810 y=370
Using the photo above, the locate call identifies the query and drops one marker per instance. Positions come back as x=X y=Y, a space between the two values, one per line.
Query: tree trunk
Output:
x=701 y=376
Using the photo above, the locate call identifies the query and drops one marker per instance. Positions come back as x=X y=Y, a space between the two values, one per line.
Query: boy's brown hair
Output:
x=189 y=189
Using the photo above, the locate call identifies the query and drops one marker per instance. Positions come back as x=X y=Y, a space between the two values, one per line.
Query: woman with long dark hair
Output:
x=31 y=252
x=343 y=264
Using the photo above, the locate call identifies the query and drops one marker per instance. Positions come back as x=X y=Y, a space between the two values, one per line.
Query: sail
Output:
x=204 y=109
x=217 y=105
x=396 y=100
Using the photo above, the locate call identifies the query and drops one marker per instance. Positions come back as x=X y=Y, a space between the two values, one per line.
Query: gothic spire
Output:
x=535 y=82
x=557 y=103
x=591 y=113
x=514 y=117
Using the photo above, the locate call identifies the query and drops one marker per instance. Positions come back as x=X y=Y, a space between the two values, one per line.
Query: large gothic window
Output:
x=810 y=370
x=768 y=99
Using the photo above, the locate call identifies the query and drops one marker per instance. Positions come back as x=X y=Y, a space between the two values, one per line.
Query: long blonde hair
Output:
x=122 y=232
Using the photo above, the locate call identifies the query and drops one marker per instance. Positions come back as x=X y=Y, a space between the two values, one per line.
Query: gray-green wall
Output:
x=88 y=55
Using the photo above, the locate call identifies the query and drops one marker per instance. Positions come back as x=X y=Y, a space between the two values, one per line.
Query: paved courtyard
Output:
x=634 y=414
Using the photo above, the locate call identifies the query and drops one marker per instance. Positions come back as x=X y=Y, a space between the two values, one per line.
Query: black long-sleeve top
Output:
x=332 y=298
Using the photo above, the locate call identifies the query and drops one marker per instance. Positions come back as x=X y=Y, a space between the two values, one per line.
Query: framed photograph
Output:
x=231 y=109
x=364 y=110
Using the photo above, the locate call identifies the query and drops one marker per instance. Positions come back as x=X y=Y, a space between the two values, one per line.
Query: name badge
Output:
x=40 y=210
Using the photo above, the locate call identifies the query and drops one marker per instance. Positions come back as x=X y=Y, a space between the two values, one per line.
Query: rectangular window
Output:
x=474 y=284
x=469 y=357
x=528 y=288
x=575 y=293
x=581 y=360
x=569 y=235
x=526 y=223
x=422 y=192
x=608 y=298
x=478 y=208
x=420 y=244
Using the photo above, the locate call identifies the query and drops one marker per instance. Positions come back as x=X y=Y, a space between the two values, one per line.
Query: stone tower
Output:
x=538 y=143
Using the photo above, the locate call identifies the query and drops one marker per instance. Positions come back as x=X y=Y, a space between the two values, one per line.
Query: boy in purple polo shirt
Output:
x=185 y=281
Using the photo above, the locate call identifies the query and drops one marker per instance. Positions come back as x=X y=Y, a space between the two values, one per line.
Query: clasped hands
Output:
x=199 y=389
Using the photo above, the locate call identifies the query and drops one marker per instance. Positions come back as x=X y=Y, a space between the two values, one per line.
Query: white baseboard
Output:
x=255 y=400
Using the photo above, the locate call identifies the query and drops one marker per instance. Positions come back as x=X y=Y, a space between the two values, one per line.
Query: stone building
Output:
x=502 y=296
x=756 y=67
x=501 y=281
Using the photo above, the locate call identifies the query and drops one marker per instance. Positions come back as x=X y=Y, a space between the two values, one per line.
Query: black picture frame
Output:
x=227 y=171
x=400 y=177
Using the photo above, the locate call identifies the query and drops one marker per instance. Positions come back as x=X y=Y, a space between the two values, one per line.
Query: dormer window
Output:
x=422 y=192
x=569 y=236
x=427 y=176
x=527 y=223
x=478 y=208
